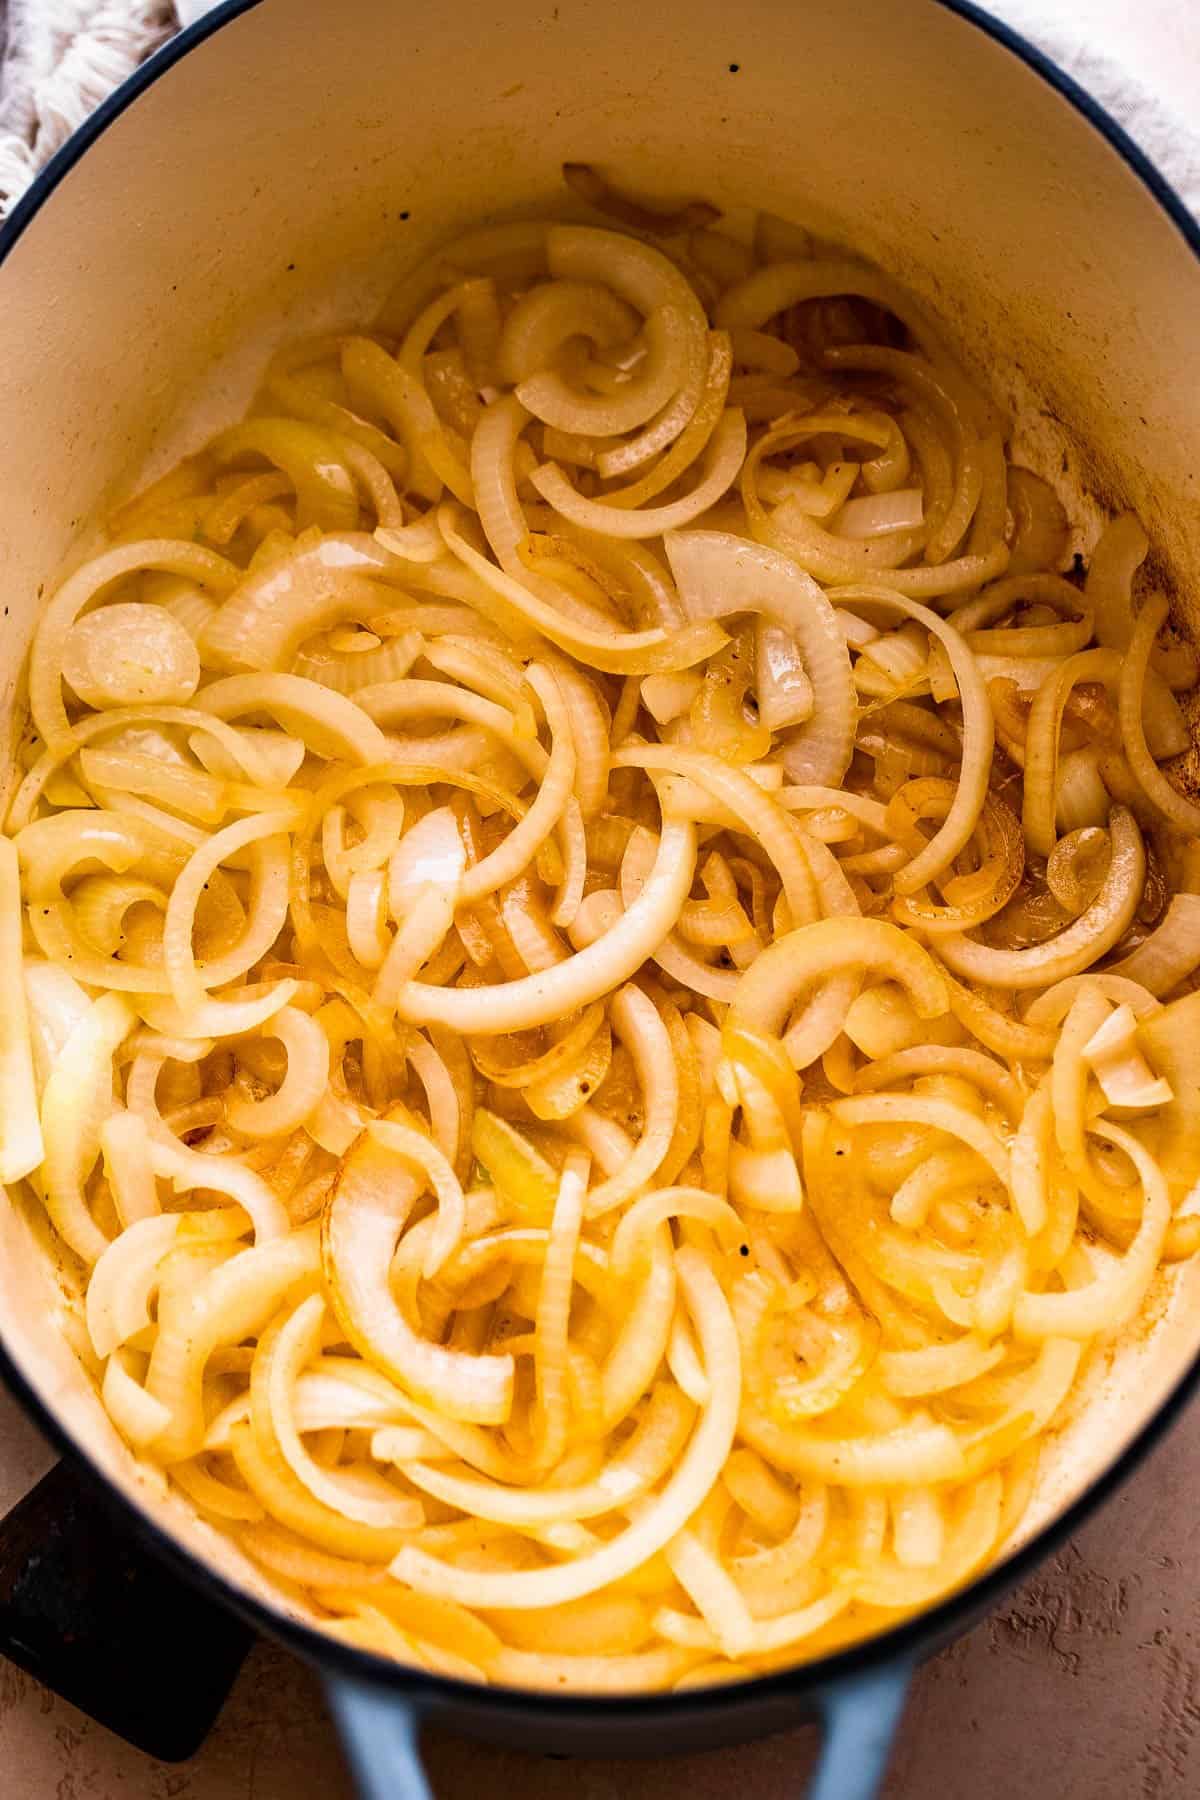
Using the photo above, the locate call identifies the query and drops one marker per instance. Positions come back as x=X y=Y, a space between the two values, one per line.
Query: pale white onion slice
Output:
x=638 y=273
x=1107 y=1302
x=190 y=979
x=781 y=285
x=80 y=589
x=1170 y=953
x=603 y=965
x=138 y=1416
x=302 y=1087
x=521 y=845
x=55 y=1004
x=127 y=1166
x=781 y=684
x=442 y=1097
x=978 y=738
x=718 y=574
x=130 y=654
x=874 y=515
x=546 y=316
x=637 y=652
x=363 y=1495
x=231 y=1303
x=719 y=466
x=226 y=1016
x=329 y=723
x=775 y=980
x=124 y=1279
x=431 y=853
x=630 y=1474
x=414 y=1149
x=1183 y=813
x=77 y=1099
x=640 y=1028
x=188 y=1170
x=366 y=917
x=670 y=355
x=374 y=1196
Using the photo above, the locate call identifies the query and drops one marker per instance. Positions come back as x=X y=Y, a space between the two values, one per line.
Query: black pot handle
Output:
x=91 y=1614
x=380 y=1731
x=381 y=1734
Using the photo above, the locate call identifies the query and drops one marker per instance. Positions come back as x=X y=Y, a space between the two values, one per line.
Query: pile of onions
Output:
x=598 y=961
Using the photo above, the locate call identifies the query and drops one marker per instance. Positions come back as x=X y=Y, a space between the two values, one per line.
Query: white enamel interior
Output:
x=257 y=190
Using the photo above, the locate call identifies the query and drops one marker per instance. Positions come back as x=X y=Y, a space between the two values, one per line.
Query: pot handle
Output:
x=860 y=1716
x=104 y=1623
x=380 y=1731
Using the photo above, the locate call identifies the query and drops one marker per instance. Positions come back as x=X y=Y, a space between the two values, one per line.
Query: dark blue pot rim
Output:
x=904 y=1642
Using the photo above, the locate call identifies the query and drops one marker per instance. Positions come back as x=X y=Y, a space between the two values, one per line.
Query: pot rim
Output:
x=903 y=1643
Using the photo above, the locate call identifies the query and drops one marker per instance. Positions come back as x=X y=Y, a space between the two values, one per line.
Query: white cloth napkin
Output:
x=1142 y=62
x=61 y=58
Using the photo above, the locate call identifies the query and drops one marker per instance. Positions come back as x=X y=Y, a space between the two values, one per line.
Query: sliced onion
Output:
x=753 y=811
x=781 y=684
x=365 y=1496
x=79 y=590
x=21 y=1145
x=1183 y=813
x=124 y=1280
x=874 y=515
x=1118 y=554
x=77 y=1098
x=670 y=355
x=643 y=1033
x=637 y=1467
x=188 y=1170
x=517 y=251
x=680 y=431
x=130 y=654
x=1107 y=1302
x=374 y=1195
x=553 y=993
x=633 y=652
x=977 y=745
x=940 y=1115
x=1171 y=952
x=127 y=1167
x=1080 y=943
x=658 y=1523
x=721 y=461
x=188 y=978
x=302 y=1087
x=366 y=917
x=329 y=723
x=431 y=852
x=773 y=983
x=639 y=274
x=545 y=317
x=718 y=574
